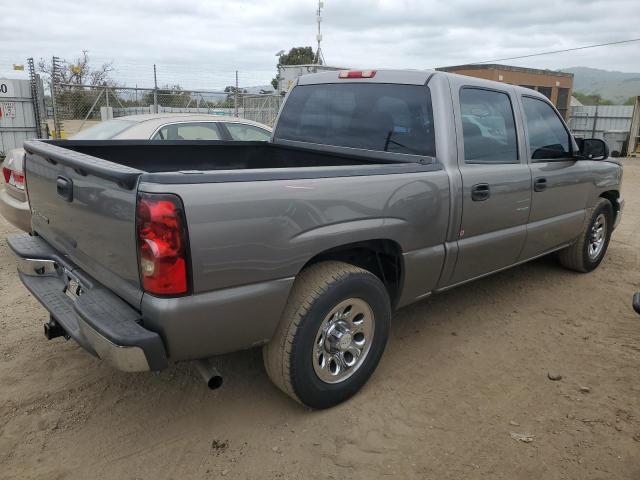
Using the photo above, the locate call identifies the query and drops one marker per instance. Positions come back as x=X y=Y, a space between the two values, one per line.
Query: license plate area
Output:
x=73 y=288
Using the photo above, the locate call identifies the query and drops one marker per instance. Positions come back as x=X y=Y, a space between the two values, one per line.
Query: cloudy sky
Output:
x=200 y=44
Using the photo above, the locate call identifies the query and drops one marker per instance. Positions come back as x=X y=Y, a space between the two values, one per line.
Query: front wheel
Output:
x=331 y=336
x=587 y=253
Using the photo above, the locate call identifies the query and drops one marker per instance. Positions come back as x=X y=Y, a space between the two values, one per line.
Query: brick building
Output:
x=556 y=86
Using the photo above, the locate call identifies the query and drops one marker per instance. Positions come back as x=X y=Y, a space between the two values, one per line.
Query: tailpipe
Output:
x=209 y=373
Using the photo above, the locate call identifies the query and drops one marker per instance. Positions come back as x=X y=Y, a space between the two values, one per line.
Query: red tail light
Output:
x=357 y=74
x=162 y=244
x=13 y=178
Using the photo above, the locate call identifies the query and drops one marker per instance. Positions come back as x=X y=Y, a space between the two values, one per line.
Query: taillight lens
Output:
x=13 y=178
x=162 y=249
x=357 y=74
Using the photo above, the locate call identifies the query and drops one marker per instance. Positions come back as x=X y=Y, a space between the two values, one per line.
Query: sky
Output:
x=200 y=44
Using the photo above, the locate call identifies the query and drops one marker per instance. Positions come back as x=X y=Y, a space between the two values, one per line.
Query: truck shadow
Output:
x=150 y=411
x=417 y=330
x=468 y=307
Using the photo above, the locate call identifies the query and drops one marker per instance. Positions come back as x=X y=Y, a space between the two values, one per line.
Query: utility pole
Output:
x=319 y=59
x=235 y=97
x=155 y=90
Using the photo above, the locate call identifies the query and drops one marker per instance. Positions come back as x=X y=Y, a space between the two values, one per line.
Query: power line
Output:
x=558 y=51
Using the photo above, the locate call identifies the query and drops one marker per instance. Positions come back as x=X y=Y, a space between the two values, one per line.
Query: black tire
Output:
x=576 y=257
x=288 y=357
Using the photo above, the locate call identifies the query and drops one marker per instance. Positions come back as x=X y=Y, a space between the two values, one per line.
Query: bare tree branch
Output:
x=80 y=71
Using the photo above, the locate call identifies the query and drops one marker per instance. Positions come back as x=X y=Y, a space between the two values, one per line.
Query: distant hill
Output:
x=615 y=86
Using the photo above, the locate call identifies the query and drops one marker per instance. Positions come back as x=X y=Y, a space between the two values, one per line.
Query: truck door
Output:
x=496 y=180
x=561 y=185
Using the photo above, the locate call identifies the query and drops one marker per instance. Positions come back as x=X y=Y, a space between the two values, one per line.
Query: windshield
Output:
x=103 y=130
x=383 y=117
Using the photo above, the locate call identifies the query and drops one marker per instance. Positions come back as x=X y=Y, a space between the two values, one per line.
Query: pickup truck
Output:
x=376 y=189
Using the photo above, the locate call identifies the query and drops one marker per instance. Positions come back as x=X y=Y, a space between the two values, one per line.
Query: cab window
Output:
x=547 y=136
x=370 y=116
x=488 y=126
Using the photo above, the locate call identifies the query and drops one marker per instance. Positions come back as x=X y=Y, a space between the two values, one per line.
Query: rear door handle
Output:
x=540 y=184
x=480 y=192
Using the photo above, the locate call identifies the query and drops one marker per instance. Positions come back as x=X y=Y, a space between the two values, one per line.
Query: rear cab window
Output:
x=368 y=116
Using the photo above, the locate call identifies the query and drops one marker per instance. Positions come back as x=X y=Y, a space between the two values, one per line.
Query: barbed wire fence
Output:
x=73 y=107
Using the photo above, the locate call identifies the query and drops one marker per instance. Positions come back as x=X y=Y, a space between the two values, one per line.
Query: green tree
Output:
x=630 y=101
x=591 y=99
x=295 y=56
x=229 y=101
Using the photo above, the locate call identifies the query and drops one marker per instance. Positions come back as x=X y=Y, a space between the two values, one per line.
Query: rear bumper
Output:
x=15 y=211
x=98 y=320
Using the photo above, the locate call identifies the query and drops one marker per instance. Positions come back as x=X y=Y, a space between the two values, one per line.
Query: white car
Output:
x=14 y=205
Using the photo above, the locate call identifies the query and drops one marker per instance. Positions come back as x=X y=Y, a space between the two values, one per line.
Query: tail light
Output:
x=13 y=178
x=162 y=244
x=357 y=74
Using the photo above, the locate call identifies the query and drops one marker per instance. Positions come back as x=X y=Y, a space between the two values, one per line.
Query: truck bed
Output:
x=83 y=193
x=159 y=156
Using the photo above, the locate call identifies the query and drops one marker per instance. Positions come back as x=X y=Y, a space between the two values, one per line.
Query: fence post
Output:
x=155 y=90
x=55 y=74
x=235 y=98
x=595 y=120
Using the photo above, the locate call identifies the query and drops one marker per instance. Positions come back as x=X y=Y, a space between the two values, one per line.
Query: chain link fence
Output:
x=75 y=107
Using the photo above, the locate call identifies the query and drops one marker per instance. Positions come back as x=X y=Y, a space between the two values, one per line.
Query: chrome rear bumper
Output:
x=102 y=323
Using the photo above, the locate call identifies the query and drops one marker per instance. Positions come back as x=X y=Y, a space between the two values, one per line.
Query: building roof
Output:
x=496 y=66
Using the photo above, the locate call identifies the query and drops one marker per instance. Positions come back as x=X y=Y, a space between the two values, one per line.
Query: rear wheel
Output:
x=331 y=336
x=586 y=254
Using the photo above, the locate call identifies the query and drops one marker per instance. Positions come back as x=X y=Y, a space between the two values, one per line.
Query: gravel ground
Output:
x=462 y=391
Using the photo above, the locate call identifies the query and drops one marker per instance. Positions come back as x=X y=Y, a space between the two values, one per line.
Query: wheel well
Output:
x=381 y=257
x=612 y=196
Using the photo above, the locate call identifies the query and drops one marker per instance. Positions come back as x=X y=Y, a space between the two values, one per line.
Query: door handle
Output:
x=64 y=188
x=480 y=192
x=540 y=184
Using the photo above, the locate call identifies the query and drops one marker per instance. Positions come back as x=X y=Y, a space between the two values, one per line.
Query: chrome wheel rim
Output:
x=343 y=340
x=597 y=237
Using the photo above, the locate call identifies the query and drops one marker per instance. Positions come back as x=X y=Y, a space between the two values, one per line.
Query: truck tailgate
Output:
x=84 y=207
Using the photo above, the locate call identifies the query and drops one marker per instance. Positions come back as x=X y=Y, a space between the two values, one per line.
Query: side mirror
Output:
x=593 y=149
x=636 y=303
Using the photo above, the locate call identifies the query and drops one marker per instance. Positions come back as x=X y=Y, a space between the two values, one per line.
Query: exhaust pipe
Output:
x=209 y=373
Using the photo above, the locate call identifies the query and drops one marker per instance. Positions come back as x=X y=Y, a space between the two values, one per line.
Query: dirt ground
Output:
x=461 y=373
